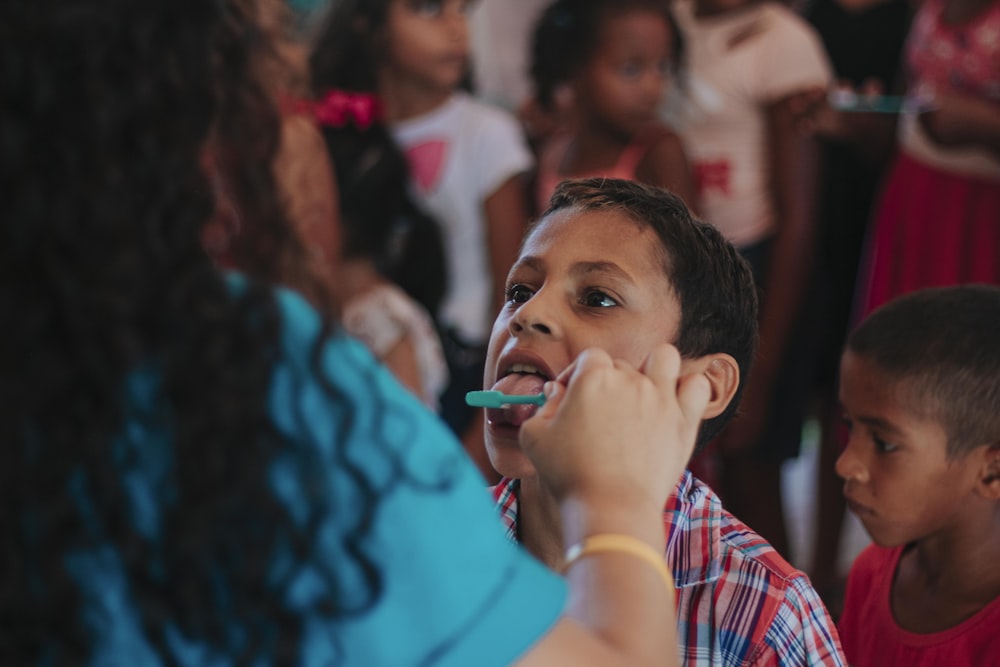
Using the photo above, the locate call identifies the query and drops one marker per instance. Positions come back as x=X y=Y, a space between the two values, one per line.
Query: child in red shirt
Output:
x=920 y=389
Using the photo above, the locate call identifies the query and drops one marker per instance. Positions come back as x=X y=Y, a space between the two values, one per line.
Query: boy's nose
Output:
x=532 y=318
x=849 y=466
x=528 y=323
x=520 y=327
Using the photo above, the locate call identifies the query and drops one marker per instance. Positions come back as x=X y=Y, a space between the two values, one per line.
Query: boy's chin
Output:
x=507 y=458
x=885 y=539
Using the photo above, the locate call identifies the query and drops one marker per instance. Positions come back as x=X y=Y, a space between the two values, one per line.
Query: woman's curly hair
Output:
x=108 y=108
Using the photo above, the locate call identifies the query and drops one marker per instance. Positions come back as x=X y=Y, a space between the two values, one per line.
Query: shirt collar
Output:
x=692 y=517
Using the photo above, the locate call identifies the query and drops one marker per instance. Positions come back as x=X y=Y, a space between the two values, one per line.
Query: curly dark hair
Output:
x=712 y=281
x=567 y=33
x=109 y=106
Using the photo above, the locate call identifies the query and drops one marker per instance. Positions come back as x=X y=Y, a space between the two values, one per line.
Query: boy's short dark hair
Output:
x=942 y=345
x=712 y=281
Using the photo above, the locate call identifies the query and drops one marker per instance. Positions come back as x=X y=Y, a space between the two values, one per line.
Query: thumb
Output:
x=693 y=395
x=554 y=392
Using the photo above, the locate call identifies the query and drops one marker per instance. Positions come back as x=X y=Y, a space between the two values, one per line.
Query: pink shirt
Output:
x=554 y=154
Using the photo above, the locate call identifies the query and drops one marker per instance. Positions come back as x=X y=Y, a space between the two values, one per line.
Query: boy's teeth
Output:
x=524 y=368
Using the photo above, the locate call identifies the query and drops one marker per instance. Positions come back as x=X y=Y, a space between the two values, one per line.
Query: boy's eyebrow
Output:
x=584 y=268
x=881 y=424
x=529 y=261
x=577 y=269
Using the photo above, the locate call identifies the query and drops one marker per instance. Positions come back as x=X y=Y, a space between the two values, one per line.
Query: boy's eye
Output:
x=598 y=299
x=882 y=446
x=518 y=294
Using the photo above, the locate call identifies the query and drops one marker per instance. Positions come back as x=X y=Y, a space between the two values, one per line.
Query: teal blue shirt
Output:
x=455 y=591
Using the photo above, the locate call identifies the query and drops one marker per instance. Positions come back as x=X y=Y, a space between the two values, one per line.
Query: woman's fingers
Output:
x=610 y=427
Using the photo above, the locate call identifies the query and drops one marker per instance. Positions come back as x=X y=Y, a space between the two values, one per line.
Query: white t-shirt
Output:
x=460 y=154
x=382 y=316
x=719 y=108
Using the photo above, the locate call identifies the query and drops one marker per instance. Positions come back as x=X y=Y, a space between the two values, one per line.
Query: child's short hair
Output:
x=712 y=281
x=942 y=346
x=565 y=38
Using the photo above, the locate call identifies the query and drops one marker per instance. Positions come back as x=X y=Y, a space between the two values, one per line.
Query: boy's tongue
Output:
x=517 y=383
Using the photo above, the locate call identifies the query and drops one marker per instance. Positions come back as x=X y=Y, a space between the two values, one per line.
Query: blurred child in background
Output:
x=612 y=60
x=391 y=274
x=757 y=179
x=937 y=219
x=466 y=161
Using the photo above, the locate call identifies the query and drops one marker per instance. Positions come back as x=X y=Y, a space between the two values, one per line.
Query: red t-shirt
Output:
x=870 y=635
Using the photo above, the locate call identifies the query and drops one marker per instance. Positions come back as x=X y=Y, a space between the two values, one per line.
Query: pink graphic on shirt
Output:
x=713 y=175
x=426 y=163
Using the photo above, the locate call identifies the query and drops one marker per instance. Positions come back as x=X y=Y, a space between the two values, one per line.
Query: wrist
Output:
x=622 y=545
x=636 y=515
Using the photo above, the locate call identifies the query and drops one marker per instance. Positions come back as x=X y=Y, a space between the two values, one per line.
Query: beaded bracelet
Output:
x=626 y=544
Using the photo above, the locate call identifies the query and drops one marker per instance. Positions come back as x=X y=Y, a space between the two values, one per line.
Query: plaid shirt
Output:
x=738 y=601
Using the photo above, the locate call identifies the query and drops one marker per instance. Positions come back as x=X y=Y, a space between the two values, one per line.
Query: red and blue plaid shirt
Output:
x=738 y=601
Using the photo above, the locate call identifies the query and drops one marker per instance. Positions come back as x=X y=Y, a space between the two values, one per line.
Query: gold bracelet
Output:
x=626 y=544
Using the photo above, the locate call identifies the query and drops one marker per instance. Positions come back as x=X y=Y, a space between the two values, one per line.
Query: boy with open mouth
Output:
x=623 y=267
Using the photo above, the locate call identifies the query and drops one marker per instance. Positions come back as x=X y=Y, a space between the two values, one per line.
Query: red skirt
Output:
x=933 y=228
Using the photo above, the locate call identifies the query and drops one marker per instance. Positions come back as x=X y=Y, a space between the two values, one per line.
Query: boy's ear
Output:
x=723 y=374
x=989 y=476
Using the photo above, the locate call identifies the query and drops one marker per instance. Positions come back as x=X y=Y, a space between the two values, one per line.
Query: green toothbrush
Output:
x=498 y=399
x=846 y=100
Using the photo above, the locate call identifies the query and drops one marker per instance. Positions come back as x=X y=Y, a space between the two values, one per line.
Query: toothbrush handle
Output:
x=497 y=399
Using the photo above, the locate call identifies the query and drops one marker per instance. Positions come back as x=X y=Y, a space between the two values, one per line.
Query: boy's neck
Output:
x=943 y=580
x=540 y=523
x=403 y=99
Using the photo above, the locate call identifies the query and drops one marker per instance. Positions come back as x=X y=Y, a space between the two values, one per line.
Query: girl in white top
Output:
x=390 y=277
x=467 y=160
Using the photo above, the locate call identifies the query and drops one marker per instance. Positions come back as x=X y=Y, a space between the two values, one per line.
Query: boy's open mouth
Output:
x=518 y=378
